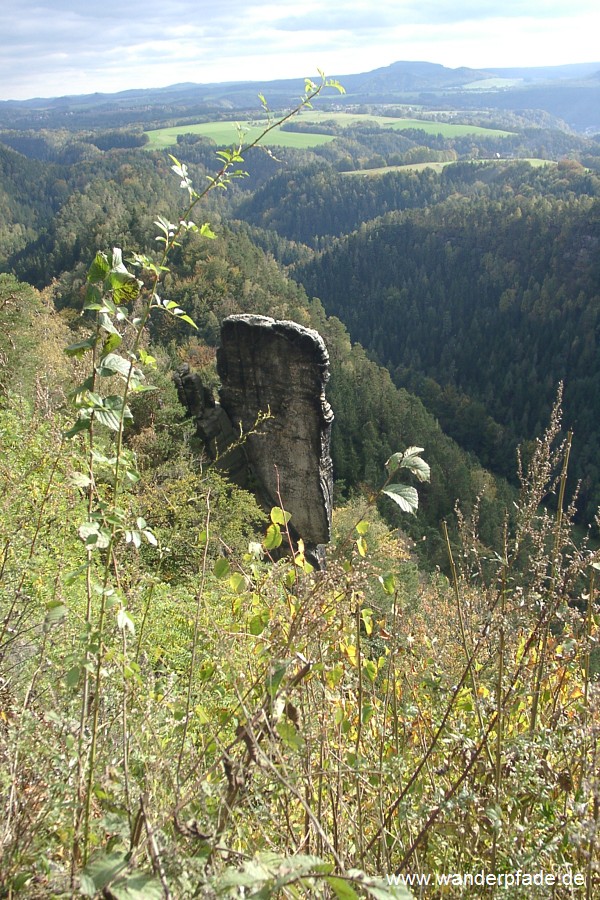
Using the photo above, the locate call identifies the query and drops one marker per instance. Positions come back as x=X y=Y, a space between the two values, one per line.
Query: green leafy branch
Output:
x=406 y=496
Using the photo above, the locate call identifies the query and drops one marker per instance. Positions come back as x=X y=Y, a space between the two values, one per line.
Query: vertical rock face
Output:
x=280 y=368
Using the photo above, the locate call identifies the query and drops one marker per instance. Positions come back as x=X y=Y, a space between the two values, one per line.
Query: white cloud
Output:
x=50 y=49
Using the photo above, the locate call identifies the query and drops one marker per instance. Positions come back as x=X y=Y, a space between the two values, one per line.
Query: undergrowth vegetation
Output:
x=186 y=713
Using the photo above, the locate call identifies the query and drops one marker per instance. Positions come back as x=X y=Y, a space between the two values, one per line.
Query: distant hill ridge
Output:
x=570 y=92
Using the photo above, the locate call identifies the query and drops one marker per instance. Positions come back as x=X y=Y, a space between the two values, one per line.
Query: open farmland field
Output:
x=438 y=166
x=447 y=129
x=226 y=134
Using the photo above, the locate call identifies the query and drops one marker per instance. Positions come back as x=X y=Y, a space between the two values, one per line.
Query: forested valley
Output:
x=185 y=709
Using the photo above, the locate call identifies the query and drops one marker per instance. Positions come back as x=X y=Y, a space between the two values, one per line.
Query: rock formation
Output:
x=273 y=410
x=281 y=369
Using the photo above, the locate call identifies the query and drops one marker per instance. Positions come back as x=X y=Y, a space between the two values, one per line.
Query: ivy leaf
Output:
x=405 y=496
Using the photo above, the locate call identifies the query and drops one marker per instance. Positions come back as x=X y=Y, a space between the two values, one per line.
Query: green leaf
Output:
x=110 y=412
x=237 y=583
x=410 y=460
x=258 y=623
x=78 y=479
x=137 y=887
x=56 y=611
x=111 y=343
x=93 y=535
x=366 y=615
x=206 y=671
x=221 y=567
x=99 y=269
x=147 y=359
x=71 y=577
x=21 y=881
x=207 y=232
x=290 y=735
x=388 y=582
x=93 y=297
x=342 y=889
x=105 y=322
x=73 y=675
x=362 y=527
x=279 y=516
x=114 y=363
x=275 y=677
x=101 y=870
x=190 y=321
x=108 y=418
x=80 y=348
x=273 y=538
x=361 y=545
x=378 y=889
x=83 y=423
x=125 y=291
x=405 y=496
x=371 y=671
x=133 y=537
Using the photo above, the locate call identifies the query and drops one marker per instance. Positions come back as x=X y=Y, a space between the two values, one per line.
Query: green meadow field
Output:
x=438 y=166
x=447 y=129
x=226 y=133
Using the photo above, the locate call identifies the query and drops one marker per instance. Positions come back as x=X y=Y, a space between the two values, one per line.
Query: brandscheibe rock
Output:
x=281 y=368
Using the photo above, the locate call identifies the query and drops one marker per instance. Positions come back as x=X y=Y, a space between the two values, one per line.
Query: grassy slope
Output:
x=225 y=133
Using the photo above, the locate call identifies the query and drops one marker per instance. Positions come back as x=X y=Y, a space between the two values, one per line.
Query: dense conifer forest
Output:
x=188 y=708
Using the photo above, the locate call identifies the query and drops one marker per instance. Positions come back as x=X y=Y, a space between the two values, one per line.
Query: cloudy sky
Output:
x=56 y=47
